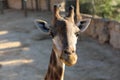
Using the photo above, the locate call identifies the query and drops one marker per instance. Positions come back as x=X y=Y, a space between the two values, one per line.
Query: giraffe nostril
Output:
x=66 y=52
x=73 y=51
x=69 y=52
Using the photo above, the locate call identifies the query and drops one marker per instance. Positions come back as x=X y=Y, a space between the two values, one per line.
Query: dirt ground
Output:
x=25 y=52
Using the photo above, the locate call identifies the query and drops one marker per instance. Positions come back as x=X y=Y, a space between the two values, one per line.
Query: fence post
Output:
x=1 y=7
x=25 y=8
x=48 y=3
x=36 y=3
x=94 y=10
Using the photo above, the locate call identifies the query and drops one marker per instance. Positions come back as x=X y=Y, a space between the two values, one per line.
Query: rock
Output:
x=102 y=31
x=91 y=31
x=115 y=34
x=98 y=29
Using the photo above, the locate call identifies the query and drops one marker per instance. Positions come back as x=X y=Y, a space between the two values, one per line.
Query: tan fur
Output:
x=64 y=43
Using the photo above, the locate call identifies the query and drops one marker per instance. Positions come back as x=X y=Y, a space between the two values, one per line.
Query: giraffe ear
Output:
x=83 y=24
x=42 y=25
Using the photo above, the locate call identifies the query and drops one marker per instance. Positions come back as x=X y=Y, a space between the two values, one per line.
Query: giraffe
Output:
x=64 y=33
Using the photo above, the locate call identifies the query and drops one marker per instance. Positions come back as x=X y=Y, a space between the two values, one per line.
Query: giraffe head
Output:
x=64 y=32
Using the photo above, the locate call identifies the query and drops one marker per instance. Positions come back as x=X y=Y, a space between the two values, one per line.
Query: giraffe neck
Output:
x=55 y=68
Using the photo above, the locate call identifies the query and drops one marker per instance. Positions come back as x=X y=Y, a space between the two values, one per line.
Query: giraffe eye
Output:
x=77 y=34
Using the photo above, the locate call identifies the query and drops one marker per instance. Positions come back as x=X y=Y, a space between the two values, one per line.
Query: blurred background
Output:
x=103 y=8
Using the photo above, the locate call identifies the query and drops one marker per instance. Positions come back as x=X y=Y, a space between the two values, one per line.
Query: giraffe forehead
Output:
x=64 y=26
x=65 y=35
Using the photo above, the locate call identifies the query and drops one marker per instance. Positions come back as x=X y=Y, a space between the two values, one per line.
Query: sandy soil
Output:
x=24 y=52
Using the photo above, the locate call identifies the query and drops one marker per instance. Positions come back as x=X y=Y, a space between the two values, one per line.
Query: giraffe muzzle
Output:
x=69 y=58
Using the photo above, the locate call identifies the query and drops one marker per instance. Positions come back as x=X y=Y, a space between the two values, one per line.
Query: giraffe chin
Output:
x=70 y=59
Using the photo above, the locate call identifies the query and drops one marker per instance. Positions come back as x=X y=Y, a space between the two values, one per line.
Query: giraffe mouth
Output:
x=69 y=59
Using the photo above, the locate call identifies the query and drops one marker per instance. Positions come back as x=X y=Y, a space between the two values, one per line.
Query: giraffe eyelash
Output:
x=77 y=34
x=52 y=34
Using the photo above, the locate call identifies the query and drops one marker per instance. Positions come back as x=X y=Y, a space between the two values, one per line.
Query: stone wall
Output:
x=15 y=4
x=42 y=4
x=105 y=31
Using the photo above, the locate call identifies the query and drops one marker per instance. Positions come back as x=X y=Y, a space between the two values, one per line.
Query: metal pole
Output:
x=1 y=7
x=22 y=4
x=25 y=8
x=48 y=2
x=32 y=4
x=36 y=3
